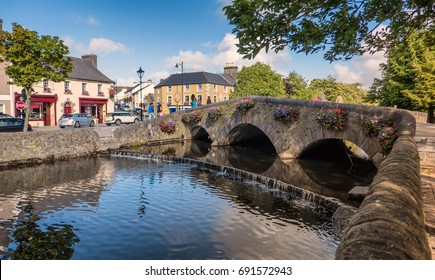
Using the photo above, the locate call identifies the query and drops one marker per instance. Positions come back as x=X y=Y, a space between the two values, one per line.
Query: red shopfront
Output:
x=42 y=109
x=94 y=106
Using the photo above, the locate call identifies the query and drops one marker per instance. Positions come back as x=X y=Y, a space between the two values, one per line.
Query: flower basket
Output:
x=68 y=91
x=244 y=105
x=194 y=116
x=167 y=126
x=111 y=91
x=285 y=114
x=215 y=113
x=386 y=138
x=85 y=92
x=332 y=118
x=373 y=125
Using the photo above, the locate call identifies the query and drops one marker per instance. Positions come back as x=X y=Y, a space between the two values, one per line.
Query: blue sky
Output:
x=156 y=34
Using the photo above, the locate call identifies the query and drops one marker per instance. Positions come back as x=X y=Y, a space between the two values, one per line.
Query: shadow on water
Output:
x=327 y=168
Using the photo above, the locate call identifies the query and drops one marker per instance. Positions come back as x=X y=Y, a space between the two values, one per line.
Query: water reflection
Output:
x=331 y=179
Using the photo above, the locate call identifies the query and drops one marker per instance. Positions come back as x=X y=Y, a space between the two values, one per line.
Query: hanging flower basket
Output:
x=194 y=116
x=386 y=138
x=215 y=113
x=167 y=126
x=285 y=114
x=373 y=125
x=244 y=105
x=111 y=91
x=332 y=118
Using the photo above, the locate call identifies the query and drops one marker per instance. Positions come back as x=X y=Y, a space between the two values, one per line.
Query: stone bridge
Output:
x=289 y=139
x=389 y=224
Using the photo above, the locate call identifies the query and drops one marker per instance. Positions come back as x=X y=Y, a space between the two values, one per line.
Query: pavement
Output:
x=425 y=139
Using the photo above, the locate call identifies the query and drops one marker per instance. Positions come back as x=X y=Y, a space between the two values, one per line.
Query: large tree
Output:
x=258 y=79
x=408 y=79
x=343 y=28
x=32 y=58
x=296 y=87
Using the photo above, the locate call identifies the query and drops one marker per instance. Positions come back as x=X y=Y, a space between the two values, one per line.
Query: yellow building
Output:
x=178 y=89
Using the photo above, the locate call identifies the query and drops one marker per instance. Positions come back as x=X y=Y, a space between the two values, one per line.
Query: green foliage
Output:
x=408 y=79
x=341 y=28
x=296 y=87
x=386 y=138
x=32 y=58
x=258 y=79
x=373 y=125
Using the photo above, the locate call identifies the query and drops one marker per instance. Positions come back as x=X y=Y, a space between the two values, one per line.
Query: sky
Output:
x=158 y=34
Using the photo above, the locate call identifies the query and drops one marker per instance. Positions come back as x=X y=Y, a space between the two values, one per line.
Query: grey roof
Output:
x=195 y=78
x=84 y=70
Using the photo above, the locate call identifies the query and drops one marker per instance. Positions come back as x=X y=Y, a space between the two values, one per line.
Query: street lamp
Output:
x=140 y=74
x=182 y=84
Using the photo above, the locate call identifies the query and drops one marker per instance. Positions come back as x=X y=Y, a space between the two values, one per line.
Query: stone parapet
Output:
x=21 y=148
x=390 y=221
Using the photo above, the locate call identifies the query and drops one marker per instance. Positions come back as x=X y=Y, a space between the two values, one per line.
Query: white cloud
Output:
x=226 y=52
x=96 y=46
x=363 y=69
x=90 y=20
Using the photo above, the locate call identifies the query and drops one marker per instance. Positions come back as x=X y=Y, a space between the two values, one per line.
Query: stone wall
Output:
x=389 y=224
x=33 y=147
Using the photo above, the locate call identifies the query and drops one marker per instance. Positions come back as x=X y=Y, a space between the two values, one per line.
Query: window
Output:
x=199 y=88
x=36 y=111
x=45 y=85
x=215 y=88
x=186 y=100
x=225 y=89
x=83 y=86
x=169 y=88
x=99 y=88
x=186 y=88
x=225 y=98
x=214 y=98
x=169 y=100
x=199 y=97
x=66 y=86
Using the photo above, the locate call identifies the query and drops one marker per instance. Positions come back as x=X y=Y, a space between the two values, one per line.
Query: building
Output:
x=85 y=90
x=177 y=90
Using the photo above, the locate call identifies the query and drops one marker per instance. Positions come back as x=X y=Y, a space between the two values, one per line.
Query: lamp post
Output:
x=182 y=84
x=140 y=74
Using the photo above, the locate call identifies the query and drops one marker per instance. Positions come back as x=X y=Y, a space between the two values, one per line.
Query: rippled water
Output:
x=117 y=208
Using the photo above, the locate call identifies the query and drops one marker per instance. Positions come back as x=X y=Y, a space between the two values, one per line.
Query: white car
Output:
x=120 y=117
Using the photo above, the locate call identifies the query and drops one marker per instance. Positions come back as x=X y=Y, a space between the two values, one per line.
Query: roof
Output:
x=195 y=78
x=84 y=70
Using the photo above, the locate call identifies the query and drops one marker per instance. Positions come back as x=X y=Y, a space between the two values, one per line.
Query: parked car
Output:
x=3 y=115
x=126 y=108
x=76 y=120
x=120 y=117
x=12 y=125
x=136 y=111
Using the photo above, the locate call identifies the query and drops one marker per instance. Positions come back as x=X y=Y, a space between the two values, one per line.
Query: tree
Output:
x=33 y=58
x=343 y=28
x=408 y=78
x=329 y=88
x=296 y=87
x=258 y=79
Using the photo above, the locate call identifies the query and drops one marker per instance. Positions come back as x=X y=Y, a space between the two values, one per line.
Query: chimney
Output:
x=92 y=58
x=231 y=69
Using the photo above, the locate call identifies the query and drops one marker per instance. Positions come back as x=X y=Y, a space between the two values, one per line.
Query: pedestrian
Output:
x=208 y=100
x=151 y=111
x=159 y=109
x=193 y=103
x=339 y=99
